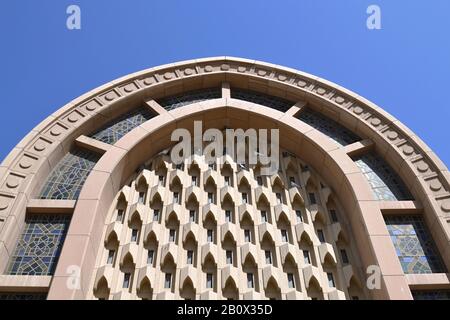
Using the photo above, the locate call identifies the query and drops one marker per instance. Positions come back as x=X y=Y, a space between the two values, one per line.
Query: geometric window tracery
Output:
x=40 y=244
x=413 y=244
x=385 y=183
x=181 y=100
x=4 y=296
x=273 y=102
x=66 y=180
x=329 y=127
x=116 y=129
x=431 y=295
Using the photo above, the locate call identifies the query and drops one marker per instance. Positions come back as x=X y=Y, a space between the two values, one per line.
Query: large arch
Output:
x=30 y=163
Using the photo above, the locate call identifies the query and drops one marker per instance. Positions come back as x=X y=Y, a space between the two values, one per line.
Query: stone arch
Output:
x=188 y=290
x=230 y=291
x=102 y=289
x=409 y=156
x=273 y=290
x=314 y=289
x=145 y=290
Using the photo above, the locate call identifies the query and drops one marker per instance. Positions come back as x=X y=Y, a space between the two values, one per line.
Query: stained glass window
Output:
x=181 y=100
x=67 y=179
x=116 y=129
x=431 y=295
x=262 y=99
x=414 y=246
x=329 y=127
x=22 y=296
x=385 y=183
x=39 y=246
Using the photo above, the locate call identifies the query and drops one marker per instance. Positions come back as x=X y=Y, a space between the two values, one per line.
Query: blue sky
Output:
x=404 y=68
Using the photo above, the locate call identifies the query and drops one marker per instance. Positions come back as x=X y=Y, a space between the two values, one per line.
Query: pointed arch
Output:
x=145 y=289
x=102 y=289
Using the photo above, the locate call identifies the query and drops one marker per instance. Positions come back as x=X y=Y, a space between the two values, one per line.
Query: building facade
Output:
x=93 y=206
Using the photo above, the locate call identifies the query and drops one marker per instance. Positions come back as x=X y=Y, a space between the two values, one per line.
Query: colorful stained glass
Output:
x=116 y=129
x=39 y=246
x=67 y=179
x=178 y=101
x=385 y=183
x=273 y=102
x=329 y=127
x=414 y=246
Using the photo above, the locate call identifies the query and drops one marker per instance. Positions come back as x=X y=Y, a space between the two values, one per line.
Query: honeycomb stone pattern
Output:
x=326 y=276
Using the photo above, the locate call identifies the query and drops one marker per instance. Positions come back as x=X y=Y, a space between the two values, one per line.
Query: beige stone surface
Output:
x=27 y=166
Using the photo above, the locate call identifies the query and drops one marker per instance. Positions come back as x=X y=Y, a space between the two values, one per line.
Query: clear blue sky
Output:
x=404 y=68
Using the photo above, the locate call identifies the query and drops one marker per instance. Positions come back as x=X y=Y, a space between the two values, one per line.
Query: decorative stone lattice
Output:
x=304 y=244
